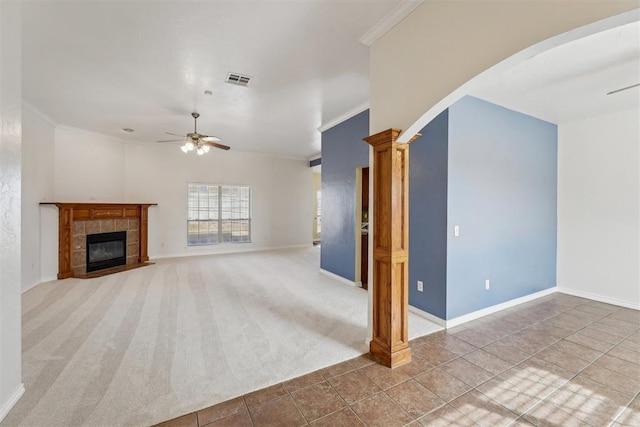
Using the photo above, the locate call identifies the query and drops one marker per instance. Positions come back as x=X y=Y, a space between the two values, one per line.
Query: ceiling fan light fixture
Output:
x=189 y=145
x=200 y=151
x=184 y=148
x=205 y=148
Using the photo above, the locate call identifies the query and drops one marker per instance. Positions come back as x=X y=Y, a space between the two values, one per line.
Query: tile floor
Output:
x=556 y=361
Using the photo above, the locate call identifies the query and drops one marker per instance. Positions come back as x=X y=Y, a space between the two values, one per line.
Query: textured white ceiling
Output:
x=571 y=82
x=104 y=66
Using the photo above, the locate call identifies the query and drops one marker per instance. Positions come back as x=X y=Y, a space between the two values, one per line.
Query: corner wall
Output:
x=599 y=208
x=11 y=388
x=502 y=194
x=428 y=174
x=343 y=150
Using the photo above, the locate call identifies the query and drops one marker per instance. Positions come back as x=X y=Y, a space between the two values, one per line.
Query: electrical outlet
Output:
x=420 y=286
x=487 y=284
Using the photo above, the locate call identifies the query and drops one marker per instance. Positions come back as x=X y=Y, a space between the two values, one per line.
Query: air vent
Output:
x=238 y=79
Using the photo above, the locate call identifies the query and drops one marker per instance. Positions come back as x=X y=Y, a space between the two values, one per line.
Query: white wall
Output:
x=115 y=171
x=11 y=387
x=442 y=45
x=37 y=186
x=599 y=208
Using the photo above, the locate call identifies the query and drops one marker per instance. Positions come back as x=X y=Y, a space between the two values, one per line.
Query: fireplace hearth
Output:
x=105 y=250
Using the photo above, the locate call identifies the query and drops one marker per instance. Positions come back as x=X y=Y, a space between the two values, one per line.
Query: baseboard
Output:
x=599 y=298
x=6 y=407
x=430 y=317
x=498 y=307
x=229 y=251
x=338 y=278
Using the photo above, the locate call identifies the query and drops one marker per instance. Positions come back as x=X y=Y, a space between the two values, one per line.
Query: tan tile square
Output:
x=342 y=418
x=79 y=258
x=587 y=341
x=577 y=350
x=509 y=396
x=446 y=416
x=303 y=382
x=563 y=360
x=133 y=236
x=79 y=242
x=631 y=343
x=380 y=410
x=221 y=410
x=483 y=410
x=441 y=383
x=414 y=398
x=596 y=333
x=107 y=225
x=318 y=400
x=134 y=224
x=475 y=337
x=281 y=412
x=507 y=350
x=364 y=360
x=548 y=415
x=353 y=386
x=613 y=380
x=92 y=226
x=434 y=354
x=78 y=227
x=629 y=418
x=614 y=326
x=590 y=409
x=338 y=369
x=467 y=372
x=625 y=354
x=241 y=419
x=264 y=395
x=189 y=420
x=417 y=366
x=122 y=224
x=385 y=377
x=132 y=249
x=627 y=315
x=488 y=362
x=620 y=366
x=453 y=344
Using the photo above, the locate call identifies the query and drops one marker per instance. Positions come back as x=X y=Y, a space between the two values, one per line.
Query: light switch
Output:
x=456 y=230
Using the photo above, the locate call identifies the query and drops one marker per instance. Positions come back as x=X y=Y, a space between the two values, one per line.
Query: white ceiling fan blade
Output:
x=210 y=138
x=623 y=89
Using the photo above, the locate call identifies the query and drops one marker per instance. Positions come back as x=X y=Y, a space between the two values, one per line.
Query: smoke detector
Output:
x=238 y=79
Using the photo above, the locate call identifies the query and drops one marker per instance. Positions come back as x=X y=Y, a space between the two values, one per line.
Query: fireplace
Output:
x=106 y=250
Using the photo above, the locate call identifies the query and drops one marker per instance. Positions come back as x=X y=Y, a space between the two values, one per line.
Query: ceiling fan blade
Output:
x=171 y=140
x=214 y=144
x=175 y=134
x=208 y=138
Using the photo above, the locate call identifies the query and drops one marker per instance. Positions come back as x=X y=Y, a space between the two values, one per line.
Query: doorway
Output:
x=362 y=227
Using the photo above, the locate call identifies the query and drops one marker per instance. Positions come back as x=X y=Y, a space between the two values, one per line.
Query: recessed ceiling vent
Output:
x=238 y=79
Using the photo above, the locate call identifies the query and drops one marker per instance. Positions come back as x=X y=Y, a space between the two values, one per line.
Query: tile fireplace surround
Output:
x=76 y=220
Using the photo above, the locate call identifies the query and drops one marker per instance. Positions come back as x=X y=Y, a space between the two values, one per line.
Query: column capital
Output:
x=387 y=136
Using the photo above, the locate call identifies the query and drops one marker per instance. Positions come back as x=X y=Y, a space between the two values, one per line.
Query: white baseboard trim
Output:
x=430 y=317
x=338 y=278
x=600 y=298
x=6 y=407
x=498 y=307
x=228 y=251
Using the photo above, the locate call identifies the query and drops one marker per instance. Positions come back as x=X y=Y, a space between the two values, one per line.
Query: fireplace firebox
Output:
x=106 y=250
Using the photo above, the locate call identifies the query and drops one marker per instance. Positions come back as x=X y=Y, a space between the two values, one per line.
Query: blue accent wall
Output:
x=502 y=192
x=428 y=163
x=343 y=150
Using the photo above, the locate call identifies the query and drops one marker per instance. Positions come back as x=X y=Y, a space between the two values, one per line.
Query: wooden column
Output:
x=390 y=342
x=65 y=239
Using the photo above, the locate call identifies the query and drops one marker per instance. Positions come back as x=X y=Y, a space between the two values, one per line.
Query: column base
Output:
x=388 y=358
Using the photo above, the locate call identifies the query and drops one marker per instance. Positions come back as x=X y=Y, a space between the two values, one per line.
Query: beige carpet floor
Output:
x=143 y=346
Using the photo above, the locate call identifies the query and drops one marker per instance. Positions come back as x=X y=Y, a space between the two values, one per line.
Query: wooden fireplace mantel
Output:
x=70 y=212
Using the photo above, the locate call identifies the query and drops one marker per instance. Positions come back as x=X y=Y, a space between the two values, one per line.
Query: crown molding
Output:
x=389 y=21
x=30 y=107
x=344 y=117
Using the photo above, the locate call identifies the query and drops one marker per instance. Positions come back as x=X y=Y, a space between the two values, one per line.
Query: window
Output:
x=218 y=214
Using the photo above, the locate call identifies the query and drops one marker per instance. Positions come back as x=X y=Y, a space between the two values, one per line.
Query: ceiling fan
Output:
x=197 y=141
